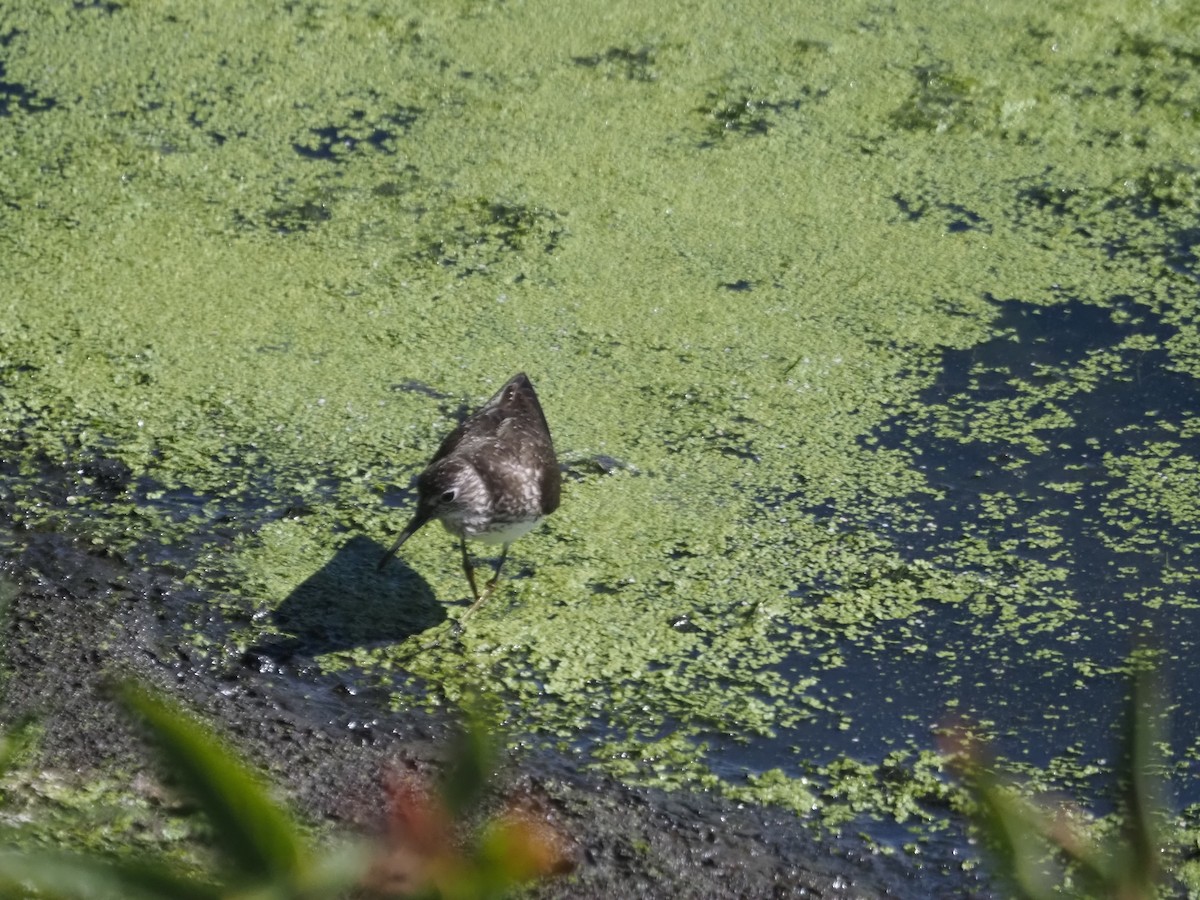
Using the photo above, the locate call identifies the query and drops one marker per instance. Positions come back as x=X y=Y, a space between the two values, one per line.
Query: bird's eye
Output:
x=448 y=496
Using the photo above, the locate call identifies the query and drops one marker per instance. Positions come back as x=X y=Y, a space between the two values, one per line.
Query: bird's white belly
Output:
x=504 y=535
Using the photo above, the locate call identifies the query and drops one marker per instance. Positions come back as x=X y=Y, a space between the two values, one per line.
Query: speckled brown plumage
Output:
x=493 y=479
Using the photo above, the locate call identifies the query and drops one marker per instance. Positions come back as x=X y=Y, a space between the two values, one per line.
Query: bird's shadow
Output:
x=349 y=603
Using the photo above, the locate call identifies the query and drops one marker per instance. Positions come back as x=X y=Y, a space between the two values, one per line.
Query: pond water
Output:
x=867 y=335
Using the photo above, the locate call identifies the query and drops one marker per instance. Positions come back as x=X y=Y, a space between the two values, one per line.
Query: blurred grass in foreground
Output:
x=262 y=854
x=429 y=850
x=1042 y=851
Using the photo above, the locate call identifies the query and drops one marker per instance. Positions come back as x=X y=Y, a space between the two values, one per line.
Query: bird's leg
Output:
x=470 y=570
x=496 y=572
x=490 y=586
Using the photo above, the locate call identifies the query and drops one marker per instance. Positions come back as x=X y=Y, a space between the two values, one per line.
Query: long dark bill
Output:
x=409 y=530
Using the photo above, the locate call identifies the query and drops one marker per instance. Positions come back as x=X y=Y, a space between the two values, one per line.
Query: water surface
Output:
x=868 y=337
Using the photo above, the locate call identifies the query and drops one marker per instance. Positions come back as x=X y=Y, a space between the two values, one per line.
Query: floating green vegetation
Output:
x=625 y=62
x=882 y=412
x=940 y=101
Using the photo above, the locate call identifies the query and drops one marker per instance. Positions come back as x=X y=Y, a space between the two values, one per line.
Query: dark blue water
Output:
x=1045 y=671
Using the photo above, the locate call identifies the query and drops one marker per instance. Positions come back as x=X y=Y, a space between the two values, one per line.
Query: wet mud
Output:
x=80 y=617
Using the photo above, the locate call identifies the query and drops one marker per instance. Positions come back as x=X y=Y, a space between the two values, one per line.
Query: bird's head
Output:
x=453 y=491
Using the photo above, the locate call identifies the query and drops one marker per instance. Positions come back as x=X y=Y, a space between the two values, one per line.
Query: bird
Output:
x=493 y=479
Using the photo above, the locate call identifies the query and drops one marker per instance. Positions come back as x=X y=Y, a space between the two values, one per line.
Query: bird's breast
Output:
x=491 y=532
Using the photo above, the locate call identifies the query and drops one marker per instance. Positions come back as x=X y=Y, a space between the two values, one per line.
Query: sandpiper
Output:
x=493 y=479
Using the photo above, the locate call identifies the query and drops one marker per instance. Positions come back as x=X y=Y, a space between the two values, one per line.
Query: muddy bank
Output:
x=78 y=616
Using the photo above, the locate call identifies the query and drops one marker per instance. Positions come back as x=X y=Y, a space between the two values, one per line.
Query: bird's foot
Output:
x=479 y=598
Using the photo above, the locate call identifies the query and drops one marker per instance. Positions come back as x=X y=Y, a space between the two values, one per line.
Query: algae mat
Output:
x=868 y=337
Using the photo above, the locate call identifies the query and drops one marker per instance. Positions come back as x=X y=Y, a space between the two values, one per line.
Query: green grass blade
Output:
x=255 y=835
x=470 y=765
x=94 y=878
x=1014 y=835
x=1143 y=794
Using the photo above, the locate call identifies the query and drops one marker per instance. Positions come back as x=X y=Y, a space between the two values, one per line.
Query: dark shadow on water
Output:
x=349 y=603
